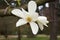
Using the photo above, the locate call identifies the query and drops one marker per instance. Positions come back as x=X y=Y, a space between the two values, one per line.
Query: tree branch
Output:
x=8 y=9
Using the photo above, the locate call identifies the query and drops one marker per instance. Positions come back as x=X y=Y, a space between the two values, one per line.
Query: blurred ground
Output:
x=15 y=36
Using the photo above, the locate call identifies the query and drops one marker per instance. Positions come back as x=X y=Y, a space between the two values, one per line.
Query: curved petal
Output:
x=20 y=22
x=32 y=7
x=43 y=20
x=41 y=26
x=24 y=11
x=18 y=13
x=34 y=27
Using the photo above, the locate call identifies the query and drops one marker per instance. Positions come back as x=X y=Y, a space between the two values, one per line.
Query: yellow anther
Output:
x=29 y=19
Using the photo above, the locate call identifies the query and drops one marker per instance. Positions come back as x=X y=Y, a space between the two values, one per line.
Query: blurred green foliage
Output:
x=36 y=38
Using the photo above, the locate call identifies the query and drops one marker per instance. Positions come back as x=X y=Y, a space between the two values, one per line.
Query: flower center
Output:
x=29 y=19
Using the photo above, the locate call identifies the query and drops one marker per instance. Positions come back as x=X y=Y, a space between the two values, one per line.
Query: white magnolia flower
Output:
x=40 y=7
x=47 y=5
x=30 y=17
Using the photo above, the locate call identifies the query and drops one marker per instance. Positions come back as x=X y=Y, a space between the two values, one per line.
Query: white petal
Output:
x=18 y=13
x=24 y=11
x=34 y=16
x=41 y=26
x=34 y=27
x=32 y=7
x=43 y=20
x=20 y=22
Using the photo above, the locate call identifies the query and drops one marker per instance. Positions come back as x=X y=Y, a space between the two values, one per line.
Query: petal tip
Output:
x=41 y=29
x=17 y=25
x=47 y=21
x=35 y=33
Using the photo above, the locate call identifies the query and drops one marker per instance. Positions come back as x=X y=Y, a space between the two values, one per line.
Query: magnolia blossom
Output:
x=30 y=17
x=47 y=4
